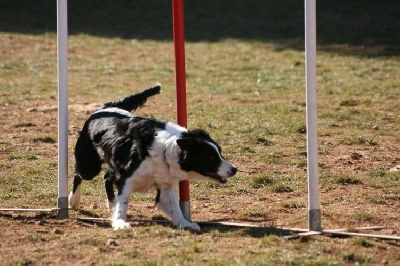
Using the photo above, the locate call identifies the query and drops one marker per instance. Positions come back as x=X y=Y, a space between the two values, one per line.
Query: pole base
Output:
x=185 y=208
x=62 y=208
x=314 y=220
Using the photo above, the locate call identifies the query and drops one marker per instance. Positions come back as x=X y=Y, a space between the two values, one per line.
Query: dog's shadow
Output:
x=239 y=229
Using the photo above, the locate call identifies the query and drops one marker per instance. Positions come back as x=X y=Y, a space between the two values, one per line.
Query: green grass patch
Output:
x=282 y=188
x=358 y=140
x=45 y=139
x=262 y=181
x=349 y=103
x=347 y=180
x=292 y=204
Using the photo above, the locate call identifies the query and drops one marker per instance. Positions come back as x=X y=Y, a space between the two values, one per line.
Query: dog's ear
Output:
x=185 y=143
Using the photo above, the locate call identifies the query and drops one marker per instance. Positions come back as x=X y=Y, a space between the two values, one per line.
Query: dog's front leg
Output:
x=169 y=204
x=120 y=210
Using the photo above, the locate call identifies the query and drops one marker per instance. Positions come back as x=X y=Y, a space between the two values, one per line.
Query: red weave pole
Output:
x=180 y=76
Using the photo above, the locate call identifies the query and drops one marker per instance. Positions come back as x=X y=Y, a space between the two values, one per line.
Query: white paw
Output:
x=120 y=224
x=187 y=225
x=73 y=200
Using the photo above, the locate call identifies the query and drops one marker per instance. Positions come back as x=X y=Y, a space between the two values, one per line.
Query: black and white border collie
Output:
x=141 y=153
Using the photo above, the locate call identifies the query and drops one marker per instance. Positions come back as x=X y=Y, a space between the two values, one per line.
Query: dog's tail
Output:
x=132 y=102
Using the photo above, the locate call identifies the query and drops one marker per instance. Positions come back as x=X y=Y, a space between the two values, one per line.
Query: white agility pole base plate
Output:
x=287 y=232
x=299 y=232
x=28 y=210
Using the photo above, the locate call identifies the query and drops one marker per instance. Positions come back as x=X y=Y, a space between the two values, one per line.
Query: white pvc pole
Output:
x=62 y=50
x=314 y=211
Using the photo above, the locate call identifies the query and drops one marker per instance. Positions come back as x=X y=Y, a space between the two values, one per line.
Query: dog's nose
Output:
x=233 y=171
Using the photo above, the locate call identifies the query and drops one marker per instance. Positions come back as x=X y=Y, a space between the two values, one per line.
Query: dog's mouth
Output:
x=216 y=177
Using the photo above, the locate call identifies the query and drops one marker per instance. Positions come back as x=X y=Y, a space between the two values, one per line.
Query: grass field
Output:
x=246 y=86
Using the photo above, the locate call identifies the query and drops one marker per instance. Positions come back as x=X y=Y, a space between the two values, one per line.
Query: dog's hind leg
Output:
x=75 y=195
x=167 y=201
x=109 y=180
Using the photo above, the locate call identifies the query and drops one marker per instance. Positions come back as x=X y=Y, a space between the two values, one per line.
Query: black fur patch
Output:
x=197 y=153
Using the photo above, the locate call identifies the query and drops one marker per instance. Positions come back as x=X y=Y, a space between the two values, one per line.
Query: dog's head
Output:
x=201 y=154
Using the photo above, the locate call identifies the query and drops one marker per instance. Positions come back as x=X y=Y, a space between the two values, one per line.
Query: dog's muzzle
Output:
x=223 y=174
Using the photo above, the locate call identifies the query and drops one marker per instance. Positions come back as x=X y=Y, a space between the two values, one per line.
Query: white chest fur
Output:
x=161 y=168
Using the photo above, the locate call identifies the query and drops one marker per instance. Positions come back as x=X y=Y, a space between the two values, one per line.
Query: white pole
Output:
x=62 y=50
x=314 y=211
